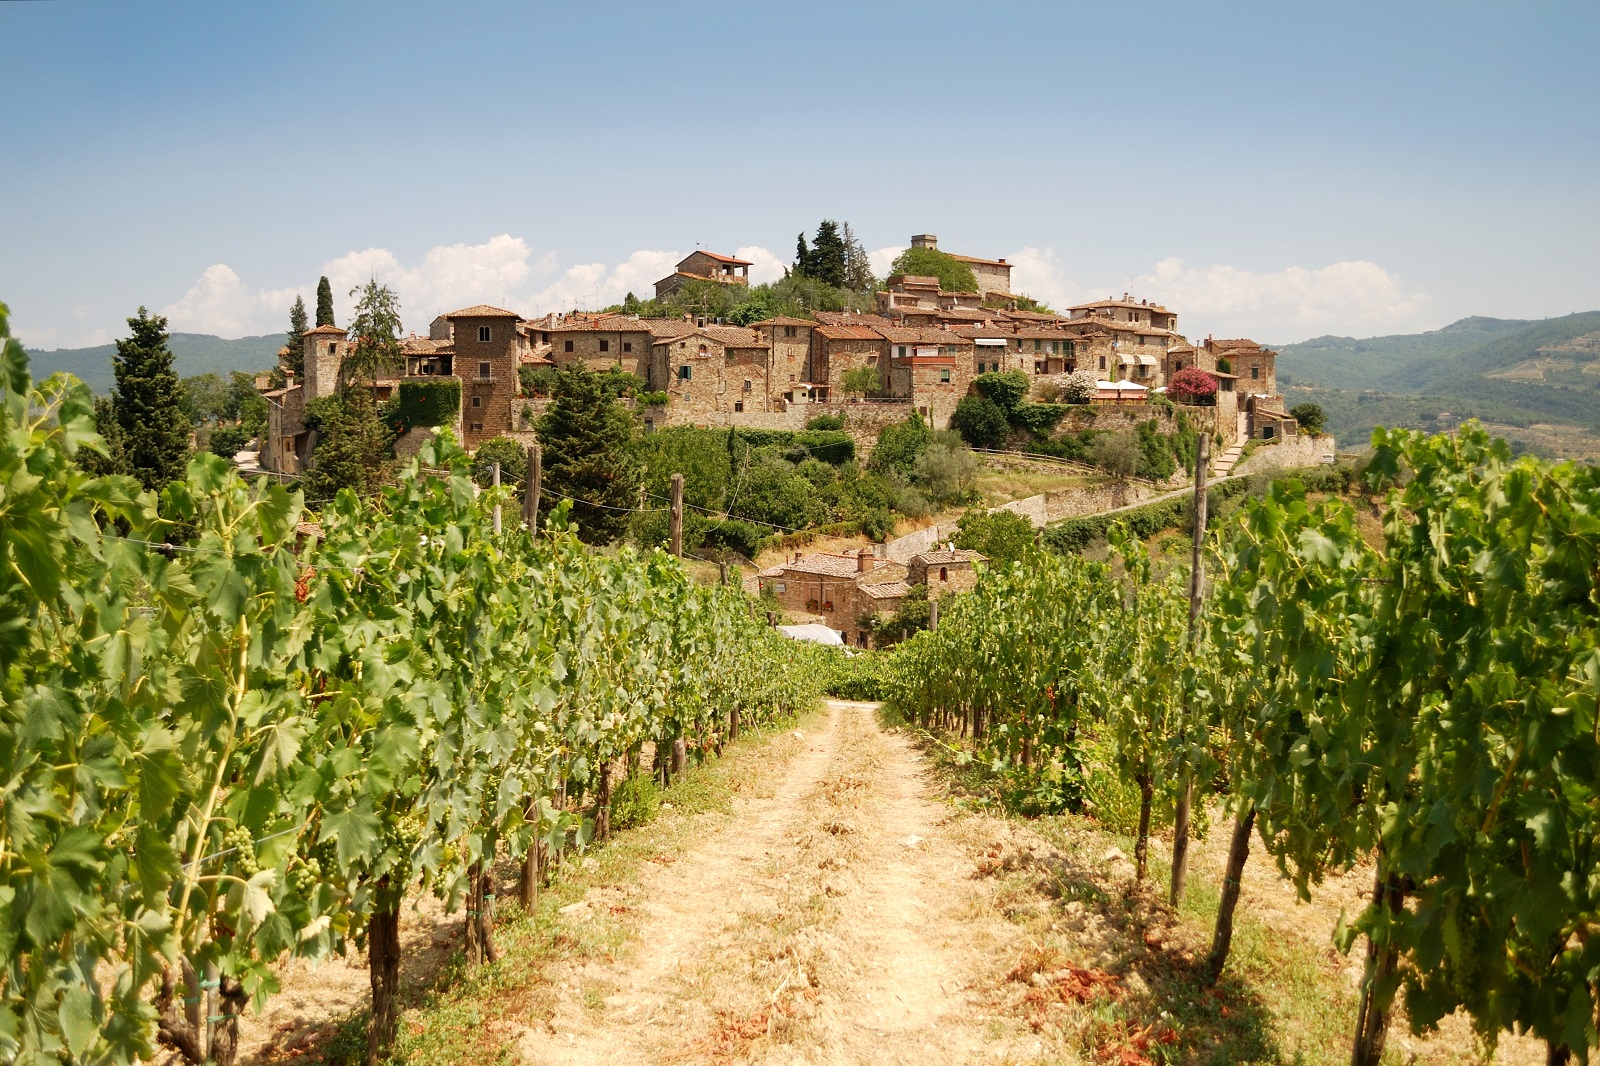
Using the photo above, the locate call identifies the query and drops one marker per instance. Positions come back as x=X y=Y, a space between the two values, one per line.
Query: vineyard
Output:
x=1425 y=701
x=229 y=738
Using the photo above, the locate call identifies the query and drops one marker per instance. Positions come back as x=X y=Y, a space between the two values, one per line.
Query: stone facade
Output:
x=1255 y=367
x=840 y=349
x=604 y=344
x=486 y=361
x=790 y=342
x=705 y=266
x=945 y=571
x=716 y=370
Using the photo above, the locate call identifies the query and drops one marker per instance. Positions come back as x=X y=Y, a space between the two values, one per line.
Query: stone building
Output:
x=705 y=266
x=1256 y=367
x=286 y=443
x=934 y=368
x=1128 y=310
x=486 y=359
x=612 y=342
x=839 y=349
x=716 y=370
x=1032 y=349
x=790 y=342
x=945 y=571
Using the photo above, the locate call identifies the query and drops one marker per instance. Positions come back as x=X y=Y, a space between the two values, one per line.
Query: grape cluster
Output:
x=306 y=876
x=244 y=846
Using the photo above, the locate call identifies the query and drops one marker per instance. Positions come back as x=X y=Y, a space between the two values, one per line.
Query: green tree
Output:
x=227 y=441
x=1118 y=454
x=149 y=404
x=512 y=457
x=899 y=445
x=1004 y=536
x=980 y=421
x=114 y=459
x=324 y=302
x=1078 y=387
x=352 y=449
x=294 y=342
x=377 y=334
x=863 y=379
x=946 y=471
x=589 y=455
x=858 y=275
x=204 y=398
x=244 y=404
x=827 y=261
x=953 y=274
x=1309 y=416
x=1006 y=389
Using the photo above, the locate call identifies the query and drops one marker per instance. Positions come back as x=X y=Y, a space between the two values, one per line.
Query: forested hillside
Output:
x=196 y=353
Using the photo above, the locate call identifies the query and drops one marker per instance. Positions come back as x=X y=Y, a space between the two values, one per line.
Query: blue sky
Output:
x=1272 y=170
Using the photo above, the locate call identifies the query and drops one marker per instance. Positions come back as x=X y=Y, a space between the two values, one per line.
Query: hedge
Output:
x=428 y=403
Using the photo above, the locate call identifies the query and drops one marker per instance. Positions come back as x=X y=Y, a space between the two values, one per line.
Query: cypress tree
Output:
x=802 y=256
x=588 y=442
x=828 y=255
x=148 y=403
x=324 y=302
x=353 y=447
x=295 y=342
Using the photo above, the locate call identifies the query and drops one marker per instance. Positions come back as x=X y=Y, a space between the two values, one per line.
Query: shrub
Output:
x=1038 y=418
x=899 y=445
x=1007 y=389
x=512 y=457
x=1310 y=417
x=862 y=676
x=946 y=472
x=536 y=380
x=1004 y=536
x=1078 y=387
x=863 y=379
x=636 y=801
x=657 y=398
x=228 y=440
x=825 y=422
x=737 y=535
x=830 y=445
x=1192 y=384
x=980 y=421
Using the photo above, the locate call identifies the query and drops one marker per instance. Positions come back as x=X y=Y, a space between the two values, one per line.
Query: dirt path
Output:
x=834 y=920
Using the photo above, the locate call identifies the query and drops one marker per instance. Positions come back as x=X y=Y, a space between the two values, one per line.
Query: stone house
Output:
x=1034 y=350
x=1256 y=367
x=705 y=266
x=790 y=344
x=945 y=571
x=614 y=342
x=1129 y=311
x=286 y=443
x=487 y=356
x=839 y=349
x=934 y=368
x=716 y=370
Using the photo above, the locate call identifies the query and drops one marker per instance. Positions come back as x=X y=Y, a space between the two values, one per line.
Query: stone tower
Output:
x=324 y=350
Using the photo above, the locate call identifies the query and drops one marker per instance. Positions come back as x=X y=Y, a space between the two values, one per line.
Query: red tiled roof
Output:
x=888 y=590
x=327 y=329
x=482 y=311
x=849 y=333
x=823 y=565
x=959 y=555
x=1130 y=304
x=785 y=320
x=921 y=336
x=850 y=318
x=719 y=257
x=975 y=259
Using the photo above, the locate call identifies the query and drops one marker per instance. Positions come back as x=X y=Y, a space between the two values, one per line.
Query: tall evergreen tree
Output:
x=353 y=447
x=376 y=329
x=324 y=302
x=589 y=455
x=802 y=255
x=295 y=341
x=148 y=404
x=115 y=459
x=858 y=275
x=828 y=255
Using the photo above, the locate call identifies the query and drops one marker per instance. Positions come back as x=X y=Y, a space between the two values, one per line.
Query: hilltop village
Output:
x=918 y=351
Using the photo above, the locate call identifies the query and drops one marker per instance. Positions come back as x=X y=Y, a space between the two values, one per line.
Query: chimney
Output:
x=864 y=561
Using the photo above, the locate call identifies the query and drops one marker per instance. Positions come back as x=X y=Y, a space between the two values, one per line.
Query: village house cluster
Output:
x=923 y=345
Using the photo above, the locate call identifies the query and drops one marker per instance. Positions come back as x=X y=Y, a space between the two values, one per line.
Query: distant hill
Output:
x=193 y=353
x=1514 y=373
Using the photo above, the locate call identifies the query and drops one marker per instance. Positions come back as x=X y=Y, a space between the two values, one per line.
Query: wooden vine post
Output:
x=530 y=500
x=1180 y=827
x=675 y=519
x=497 y=501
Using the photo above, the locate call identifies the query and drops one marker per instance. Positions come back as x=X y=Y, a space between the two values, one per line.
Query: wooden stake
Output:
x=933 y=615
x=497 y=503
x=530 y=501
x=1180 y=822
x=675 y=520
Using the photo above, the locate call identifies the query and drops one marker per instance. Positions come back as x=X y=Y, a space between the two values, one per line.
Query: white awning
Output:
x=1148 y=360
x=1124 y=359
x=990 y=342
x=815 y=632
x=1114 y=386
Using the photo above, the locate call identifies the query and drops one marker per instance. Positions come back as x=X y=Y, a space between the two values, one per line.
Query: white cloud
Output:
x=1038 y=273
x=449 y=276
x=589 y=286
x=882 y=259
x=764 y=266
x=220 y=303
x=1354 y=298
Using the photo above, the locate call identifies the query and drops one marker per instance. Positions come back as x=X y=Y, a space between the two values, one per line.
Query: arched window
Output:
x=944 y=573
x=702 y=349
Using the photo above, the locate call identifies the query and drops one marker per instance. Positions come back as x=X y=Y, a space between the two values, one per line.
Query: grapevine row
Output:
x=223 y=744
x=1423 y=698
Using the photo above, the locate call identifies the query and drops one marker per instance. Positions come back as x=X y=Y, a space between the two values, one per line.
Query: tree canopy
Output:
x=376 y=328
x=148 y=404
x=294 y=342
x=953 y=274
x=589 y=442
x=324 y=302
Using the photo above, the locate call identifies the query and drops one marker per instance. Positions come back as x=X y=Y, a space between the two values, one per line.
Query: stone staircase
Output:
x=1223 y=464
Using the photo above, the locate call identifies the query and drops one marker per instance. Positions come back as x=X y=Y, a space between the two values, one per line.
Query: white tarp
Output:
x=815 y=632
x=990 y=342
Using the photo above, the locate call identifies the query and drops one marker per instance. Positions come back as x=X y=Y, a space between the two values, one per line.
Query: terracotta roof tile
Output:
x=327 y=329
x=718 y=256
x=1129 y=304
x=959 y=555
x=822 y=564
x=482 y=311
x=785 y=320
x=888 y=590
x=851 y=318
x=975 y=259
x=849 y=333
x=921 y=336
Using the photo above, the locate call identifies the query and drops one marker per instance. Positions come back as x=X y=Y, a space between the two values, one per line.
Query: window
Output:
x=738 y=405
x=944 y=375
x=477 y=401
x=627 y=346
x=1038 y=345
x=1038 y=366
x=791 y=377
x=483 y=333
x=1255 y=372
x=780 y=587
x=544 y=338
x=605 y=346
x=944 y=573
x=683 y=372
x=747 y=386
x=333 y=347
x=788 y=331
x=901 y=351
x=569 y=346
x=703 y=350
x=1102 y=362
x=483 y=370
x=476 y=427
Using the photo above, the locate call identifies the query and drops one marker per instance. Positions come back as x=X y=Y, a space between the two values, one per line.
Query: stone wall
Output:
x=1289 y=452
x=487 y=399
x=862 y=421
x=601 y=350
x=723 y=381
x=836 y=357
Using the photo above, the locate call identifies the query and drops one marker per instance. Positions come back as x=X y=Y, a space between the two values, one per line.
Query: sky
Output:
x=1271 y=170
